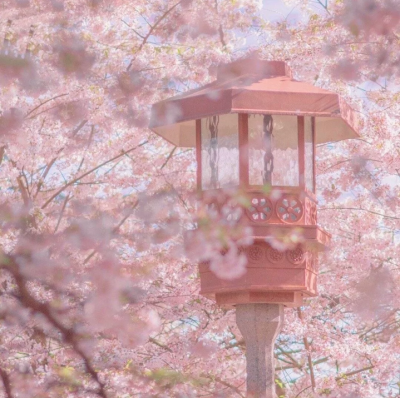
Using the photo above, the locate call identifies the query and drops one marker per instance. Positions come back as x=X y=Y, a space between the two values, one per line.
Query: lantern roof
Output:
x=254 y=86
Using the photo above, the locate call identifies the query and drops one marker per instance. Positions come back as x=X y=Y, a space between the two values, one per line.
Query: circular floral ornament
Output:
x=289 y=209
x=260 y=209
x=274 y=256
x=255 y=253
x=231 y=212
x=296 y=256
x=228 y=212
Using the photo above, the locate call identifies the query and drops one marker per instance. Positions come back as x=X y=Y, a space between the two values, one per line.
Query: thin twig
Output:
x=24 y=192
x=359 y=209
x=134 y=30
x=157 y=343
x=73 y=181
x=2 y=151
x=67 y=198
x=307 y=347
x=304 y=389
x=115 y=230
x=45 y=102
x=152 y=28
x=226 y=384
x=41 y=182
x=294 y=362
x=354 y=372
x=168 y=158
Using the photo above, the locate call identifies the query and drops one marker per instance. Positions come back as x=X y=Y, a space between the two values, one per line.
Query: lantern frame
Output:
x=244 y=170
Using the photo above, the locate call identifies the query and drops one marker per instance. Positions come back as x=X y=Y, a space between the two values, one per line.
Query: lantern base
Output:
x=271 y=277
x=231 y=299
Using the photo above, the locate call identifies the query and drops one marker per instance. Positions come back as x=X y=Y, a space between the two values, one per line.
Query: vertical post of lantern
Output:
x=243 y=149
x=198 y=154
x=260 y=324
x=314 y=148
x=301 y=140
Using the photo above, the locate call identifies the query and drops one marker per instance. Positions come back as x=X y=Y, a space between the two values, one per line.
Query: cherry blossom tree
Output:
x=99 y=288
x=344 y=343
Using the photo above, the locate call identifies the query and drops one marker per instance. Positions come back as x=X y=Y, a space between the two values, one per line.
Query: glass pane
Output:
x=273 y=150
x=220 y=151
x=309 y=155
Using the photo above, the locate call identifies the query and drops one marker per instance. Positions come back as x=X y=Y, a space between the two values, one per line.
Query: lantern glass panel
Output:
x=220 y=151
x=309 y=154
x=273 y=150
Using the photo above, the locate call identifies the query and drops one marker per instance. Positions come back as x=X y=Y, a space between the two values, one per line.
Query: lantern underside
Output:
x=328 y=129
x=243 y=88
x=282 y=263
x=271 y=276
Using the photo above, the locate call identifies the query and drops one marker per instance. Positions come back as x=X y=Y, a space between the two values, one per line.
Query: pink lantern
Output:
x=256 y=128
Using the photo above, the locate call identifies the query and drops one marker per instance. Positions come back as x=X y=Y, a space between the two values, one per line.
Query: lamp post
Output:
x=255 y=126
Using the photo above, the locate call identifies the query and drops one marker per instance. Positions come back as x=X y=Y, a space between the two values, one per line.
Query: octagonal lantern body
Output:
x=256 y=128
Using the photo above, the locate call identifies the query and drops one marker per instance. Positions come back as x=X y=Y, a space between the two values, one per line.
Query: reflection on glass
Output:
x=220 y=151
x=309 y=155
x=273 y=150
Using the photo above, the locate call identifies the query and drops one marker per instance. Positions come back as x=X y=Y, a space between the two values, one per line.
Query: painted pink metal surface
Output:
x=272 y=276
x=281 y=276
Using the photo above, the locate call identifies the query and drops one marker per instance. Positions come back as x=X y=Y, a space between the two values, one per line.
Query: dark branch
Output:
x=68 y=334
x=6 y=382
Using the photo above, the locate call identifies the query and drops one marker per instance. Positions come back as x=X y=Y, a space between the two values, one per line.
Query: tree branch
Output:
x=50 y=165
x=46 y=171
x=359 y=209
x=294 y=362
x=349 y=160
x=307 y=347
x=152 y=28
x=224 y=383
x=130 y=27
x=68 y=334
x=45 y=102
x=115 y=230
x=2 y=151
x=168 y=158
x=6 y=382
x=73 y=181
x=24 y=192
x=67 y=198
x=325 y=6
x=76 y=130
x=354 y=372
x=304 y=389
x=157 y=343
x=221 y=36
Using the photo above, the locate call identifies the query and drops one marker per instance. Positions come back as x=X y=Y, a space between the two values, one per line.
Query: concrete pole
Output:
x=260 y=324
